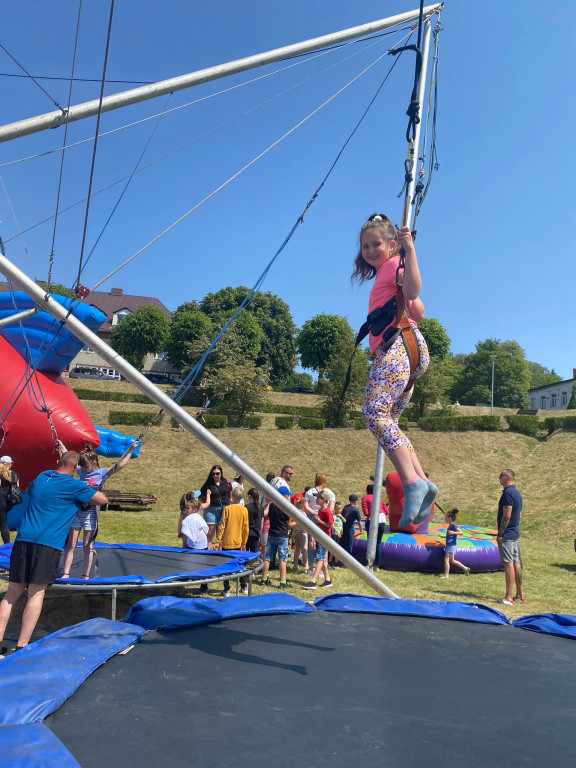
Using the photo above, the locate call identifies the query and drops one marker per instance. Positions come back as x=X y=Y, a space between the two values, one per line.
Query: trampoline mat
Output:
x=328 y=689
x=149 y=563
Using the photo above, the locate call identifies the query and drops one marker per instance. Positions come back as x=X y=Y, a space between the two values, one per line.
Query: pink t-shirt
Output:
x=383 y=290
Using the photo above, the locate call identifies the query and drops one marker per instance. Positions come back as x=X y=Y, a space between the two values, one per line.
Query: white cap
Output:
x=6 y=460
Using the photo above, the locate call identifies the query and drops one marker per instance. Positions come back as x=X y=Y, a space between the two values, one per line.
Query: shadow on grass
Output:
x=565 y=566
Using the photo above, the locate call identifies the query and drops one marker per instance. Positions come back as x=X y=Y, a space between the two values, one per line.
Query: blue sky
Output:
x=494 y=235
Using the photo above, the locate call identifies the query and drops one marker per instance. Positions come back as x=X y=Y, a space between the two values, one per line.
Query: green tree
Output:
x=189 y=330
x=295 y=380
x=436 y=337
x=277 y=351
x=540 y=375
x=144 y=331
x=511 y=375
x=238 y=389
x=56 y=289
x=572 y=402
x=320 y=339
x=336 y=407
x=435 y=385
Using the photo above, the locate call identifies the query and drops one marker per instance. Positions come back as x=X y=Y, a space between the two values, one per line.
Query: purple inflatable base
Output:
x=410 y=557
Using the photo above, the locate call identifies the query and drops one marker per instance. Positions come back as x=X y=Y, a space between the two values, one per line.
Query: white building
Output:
x=552 y=397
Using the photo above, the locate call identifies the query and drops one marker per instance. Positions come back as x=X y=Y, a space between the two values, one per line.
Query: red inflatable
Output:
x=396 y=502
x=26 y=434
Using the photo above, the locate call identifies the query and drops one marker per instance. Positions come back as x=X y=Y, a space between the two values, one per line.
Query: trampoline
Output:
x=137 y=566
x=265 y=679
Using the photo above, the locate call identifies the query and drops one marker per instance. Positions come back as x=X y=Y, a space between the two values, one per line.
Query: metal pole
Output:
x=406 y=219
x=16 y=318
x=493 y=358
x=46 y=302
x=135 y=95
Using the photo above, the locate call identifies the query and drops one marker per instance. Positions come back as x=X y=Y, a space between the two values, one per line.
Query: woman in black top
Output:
x=216 y=490
x=7 y=478
x=254 y=521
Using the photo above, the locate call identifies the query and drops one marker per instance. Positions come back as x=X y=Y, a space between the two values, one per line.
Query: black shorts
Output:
x=33 y=563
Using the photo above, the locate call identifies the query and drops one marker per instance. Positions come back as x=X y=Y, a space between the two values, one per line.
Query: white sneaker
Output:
x=225 y=593
x=244 y=591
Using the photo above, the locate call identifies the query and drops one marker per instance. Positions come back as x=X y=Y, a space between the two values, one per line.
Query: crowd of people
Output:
x=216 y=516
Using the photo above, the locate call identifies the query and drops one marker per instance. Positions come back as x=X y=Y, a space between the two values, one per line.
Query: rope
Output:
x=51 y=257
x=93 y=164
x=27 y=74
x=134 y=171
x=238 y=173
x=189 y=104
x=20 y=235
x=189 y=143
x=189 y=379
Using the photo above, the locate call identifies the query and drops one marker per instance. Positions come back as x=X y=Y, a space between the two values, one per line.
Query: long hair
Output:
x=320 y=481
x=209 y=481
x=5 y=472
x=380 y=222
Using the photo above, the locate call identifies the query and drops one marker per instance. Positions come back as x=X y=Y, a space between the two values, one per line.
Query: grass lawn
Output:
x=465 y=466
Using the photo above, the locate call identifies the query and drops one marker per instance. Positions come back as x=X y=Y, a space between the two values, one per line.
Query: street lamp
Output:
x=493 y=358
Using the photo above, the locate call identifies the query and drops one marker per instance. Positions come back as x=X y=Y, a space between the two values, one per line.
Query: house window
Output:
x=543 y=402
x=87 y=349
x=120 y=315
x=564 y=398
x=553 y=400
x=161 y=355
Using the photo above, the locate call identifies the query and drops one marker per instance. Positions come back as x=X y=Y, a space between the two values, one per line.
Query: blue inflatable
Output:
x=113 y=444
x=40 y=330
x=16 y=514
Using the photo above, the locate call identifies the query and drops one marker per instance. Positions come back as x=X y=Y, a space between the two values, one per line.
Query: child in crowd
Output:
x=280 y=524
x=86 y=519
x=324 y=520
x=233 y=532
x=336 y=533
x=192 y=528
x=388 y=255
x=300 y=537
x=352 y=517
x=452 y=532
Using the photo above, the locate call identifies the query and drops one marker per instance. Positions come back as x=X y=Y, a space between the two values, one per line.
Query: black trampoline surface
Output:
x=329 y=689
x=151 y=564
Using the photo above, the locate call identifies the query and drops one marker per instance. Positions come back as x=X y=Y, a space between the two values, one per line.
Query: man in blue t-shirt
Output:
x=509 y=512
x=55 y=495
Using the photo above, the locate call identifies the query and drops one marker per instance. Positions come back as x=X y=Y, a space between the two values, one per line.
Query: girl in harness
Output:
x=399 y=351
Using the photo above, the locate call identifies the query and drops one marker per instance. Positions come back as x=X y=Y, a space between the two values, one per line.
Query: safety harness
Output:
x=393 y=316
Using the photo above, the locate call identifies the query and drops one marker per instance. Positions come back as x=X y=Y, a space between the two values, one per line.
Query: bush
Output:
x=284 y=422
x=526 y=425
x=461 y=424
x=253 y=421
x=552 y=423
x=295 y=410
x=118 y=397
x=214 y=421
x=306 y=422
x=359 y=424
x=403 y=422
x=139 y=418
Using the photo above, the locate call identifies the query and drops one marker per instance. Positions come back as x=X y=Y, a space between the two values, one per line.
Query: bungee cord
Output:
x=238 y=173
x=310 y=57
x=61 y=173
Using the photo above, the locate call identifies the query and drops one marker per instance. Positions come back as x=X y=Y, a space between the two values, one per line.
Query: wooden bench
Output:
x=121 y=499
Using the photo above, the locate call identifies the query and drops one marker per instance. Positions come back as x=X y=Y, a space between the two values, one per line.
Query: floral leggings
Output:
x=385 y=397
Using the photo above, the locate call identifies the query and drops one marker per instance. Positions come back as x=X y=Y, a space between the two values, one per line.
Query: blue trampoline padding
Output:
x=38 y=679
x=5 y=550
x=32 y=746
x=429 y=609
x=114 y=444
x=40 y=329
x=164 y=613
x=237 y=562
x=559 y=624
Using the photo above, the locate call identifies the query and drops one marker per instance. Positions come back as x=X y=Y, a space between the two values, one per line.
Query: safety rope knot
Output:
x=413 y=111
x=81 y=291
